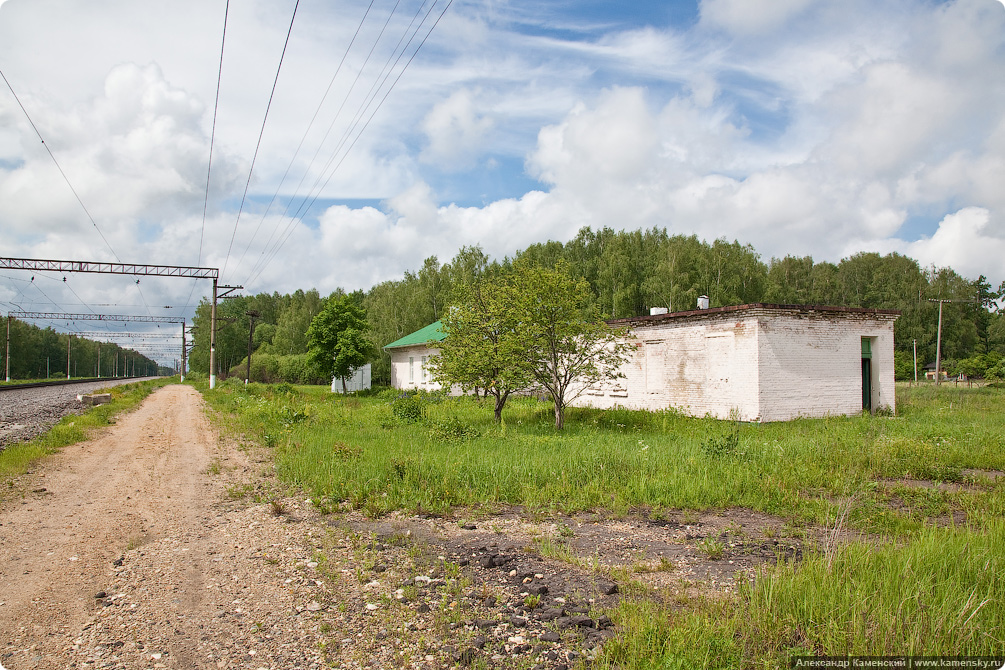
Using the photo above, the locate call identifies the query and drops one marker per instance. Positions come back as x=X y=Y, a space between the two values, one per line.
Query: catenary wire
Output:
x=306 y=132
x=360 y=133
x=65 y=178
x=260 y=134
x=335 y=118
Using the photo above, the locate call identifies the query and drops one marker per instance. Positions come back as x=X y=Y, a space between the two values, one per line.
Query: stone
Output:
x=518 y=621
x=551 y=636
x=486 y=561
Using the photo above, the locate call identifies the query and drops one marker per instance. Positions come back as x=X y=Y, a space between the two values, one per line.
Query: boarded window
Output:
x=655 y=367
x=411 y=369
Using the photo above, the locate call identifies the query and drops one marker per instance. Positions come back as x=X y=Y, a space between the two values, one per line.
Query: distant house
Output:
x=410 y=357
x=930 y=372
x=360 y=381
x=756 y=362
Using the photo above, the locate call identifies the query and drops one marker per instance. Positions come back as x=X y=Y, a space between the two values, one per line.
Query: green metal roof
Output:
x=432 y=332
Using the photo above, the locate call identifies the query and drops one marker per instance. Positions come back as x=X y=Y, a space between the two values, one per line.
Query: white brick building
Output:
x=410 y=357
x=756 y=362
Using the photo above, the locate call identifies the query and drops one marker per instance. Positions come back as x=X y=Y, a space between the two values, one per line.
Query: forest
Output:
x=629 y=272
x=40 y=353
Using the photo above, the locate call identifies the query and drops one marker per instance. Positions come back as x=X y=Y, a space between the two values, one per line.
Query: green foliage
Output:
x=452 y=428
x=485 y=347
x=337 y=337
x=408 y=408
x=562 y=341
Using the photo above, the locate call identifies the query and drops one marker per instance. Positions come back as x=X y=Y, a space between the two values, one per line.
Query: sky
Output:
x=398 y=131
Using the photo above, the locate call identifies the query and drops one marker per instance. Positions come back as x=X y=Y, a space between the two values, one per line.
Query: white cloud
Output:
x=968 y=241
x=746 y=17
x=455 y=131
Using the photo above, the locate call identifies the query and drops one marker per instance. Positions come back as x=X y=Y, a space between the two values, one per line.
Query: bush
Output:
x=452 y=428
x=408 y=408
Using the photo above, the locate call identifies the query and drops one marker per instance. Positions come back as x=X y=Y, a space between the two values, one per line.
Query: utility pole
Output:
x=8 y=347
x=182 y=372
x=252 y=315
x=99 y=360
x=68 y=338
x=938 y=339
x=212 y=328
x=916 y=361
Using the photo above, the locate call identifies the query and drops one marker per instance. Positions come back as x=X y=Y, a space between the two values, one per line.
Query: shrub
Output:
x=452 y=428
x=408 y=408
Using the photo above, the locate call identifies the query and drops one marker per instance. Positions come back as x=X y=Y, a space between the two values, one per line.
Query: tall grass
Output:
x=941 y=593
x=925 y=586
x=358 y=450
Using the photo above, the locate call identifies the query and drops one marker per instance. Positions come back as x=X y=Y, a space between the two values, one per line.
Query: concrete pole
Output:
x=212 y=339
x=183 y=351
x=99 y=360
x=8 y=347
x=915 y=361
x=68 y=338
x=938 y=349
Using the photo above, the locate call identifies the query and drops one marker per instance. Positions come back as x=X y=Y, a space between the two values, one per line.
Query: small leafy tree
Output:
x=484 y=348
x=336 y=337
x=565 y=345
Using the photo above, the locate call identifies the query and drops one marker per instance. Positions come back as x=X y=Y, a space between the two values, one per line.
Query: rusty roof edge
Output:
x=656 y=318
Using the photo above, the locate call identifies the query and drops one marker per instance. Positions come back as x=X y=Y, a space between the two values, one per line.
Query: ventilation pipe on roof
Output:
x=655 y=311
x=703 y=302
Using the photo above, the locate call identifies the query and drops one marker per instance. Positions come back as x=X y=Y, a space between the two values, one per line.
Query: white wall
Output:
x=410 y=371
x=754 y=363
x=359 y=381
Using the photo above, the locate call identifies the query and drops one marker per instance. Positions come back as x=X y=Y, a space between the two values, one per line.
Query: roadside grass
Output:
x=941 y=593
x=356 y=451
x=16 y=459
x=922 y=581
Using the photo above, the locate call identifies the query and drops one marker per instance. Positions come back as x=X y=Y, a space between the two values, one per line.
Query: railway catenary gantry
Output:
x=101 y=267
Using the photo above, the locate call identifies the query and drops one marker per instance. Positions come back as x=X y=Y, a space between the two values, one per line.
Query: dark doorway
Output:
x=866 y=373
x=867 y=384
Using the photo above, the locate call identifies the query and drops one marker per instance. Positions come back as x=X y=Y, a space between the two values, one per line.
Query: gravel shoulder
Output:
x=158 y=544
x=27 y=413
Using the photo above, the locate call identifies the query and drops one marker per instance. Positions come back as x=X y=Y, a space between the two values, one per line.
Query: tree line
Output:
x=36 y=353
x=627 y=273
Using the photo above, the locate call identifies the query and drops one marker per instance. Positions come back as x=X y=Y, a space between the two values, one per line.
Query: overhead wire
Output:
x=212 y=141
x=58 y=167
x=335 y=118
x=304 y=137
x=290 y=226
x=260 y=134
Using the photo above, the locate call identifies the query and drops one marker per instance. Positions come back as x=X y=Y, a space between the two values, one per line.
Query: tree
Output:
x=337 y=341
x=484 y=346
x=565 y=345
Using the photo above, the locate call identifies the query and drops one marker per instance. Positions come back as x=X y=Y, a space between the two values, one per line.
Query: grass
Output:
x=18 y=458
x=357 y=452
x=922 y=584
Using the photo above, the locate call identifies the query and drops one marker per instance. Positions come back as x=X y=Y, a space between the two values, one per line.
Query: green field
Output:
x=927 y=579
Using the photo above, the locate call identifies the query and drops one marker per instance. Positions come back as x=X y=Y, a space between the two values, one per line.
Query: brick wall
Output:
x=757 y=363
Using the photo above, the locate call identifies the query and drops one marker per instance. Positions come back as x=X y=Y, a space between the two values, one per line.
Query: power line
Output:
x=304 y=138
x=267 y=254
x=212 y=135
x=65 y=178
x=254 y=157
x=291 y=226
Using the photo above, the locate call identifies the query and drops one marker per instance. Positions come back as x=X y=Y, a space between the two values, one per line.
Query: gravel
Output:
x=27 y=413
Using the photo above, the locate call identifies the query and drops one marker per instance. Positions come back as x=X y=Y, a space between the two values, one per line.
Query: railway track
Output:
x=68 y=382
x=28 y=410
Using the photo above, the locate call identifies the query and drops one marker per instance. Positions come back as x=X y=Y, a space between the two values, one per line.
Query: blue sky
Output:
x=798 y=126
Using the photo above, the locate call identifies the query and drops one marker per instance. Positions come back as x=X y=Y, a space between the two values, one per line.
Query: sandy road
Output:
x=144 y=478
x=142 y=491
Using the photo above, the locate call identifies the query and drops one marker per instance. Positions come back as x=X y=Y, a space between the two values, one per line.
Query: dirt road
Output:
x=144 y=491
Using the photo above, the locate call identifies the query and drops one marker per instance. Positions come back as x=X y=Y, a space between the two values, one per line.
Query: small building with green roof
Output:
x=410 y=357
